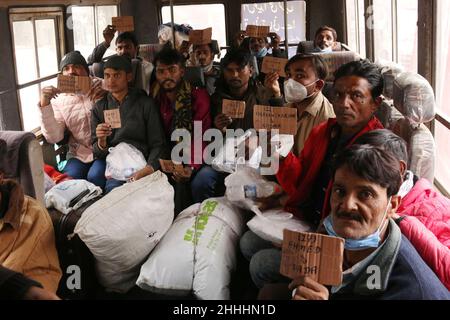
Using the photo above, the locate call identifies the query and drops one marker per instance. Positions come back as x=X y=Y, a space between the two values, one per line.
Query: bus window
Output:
x=381 y=22
x=200 y=17
x=37 y=50
x=442 y=128
x=407 y=16
x=356 y=30
x=272 y=14
x=88 y=25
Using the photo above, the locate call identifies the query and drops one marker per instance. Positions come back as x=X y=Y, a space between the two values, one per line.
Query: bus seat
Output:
x=414 y=98
x=23 y=161
x=334 y=61
x=389 y=70
x=307 y=46
x=195 y=76
x=96 y=69
x=148 y=51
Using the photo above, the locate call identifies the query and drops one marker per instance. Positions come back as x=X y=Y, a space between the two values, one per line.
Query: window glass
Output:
x=24 y=51
x=380 y=19
x=200 y=16
x=104 y=18
x=46 y=45
x=407 y=16
x=83 y=29
x=272 y=14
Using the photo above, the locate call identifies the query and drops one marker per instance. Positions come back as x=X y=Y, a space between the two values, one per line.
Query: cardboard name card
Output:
x=257 y=31
x=200 y=36
x=74 y=84
x=112 y=117
x=271 y=64
x=282 y=118
x=122 y=24
x=169 y=166
x=314 y=255
x=233 y=108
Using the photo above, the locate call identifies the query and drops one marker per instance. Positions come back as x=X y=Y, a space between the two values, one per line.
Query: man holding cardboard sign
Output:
x=303 y=86
x=133 y=117
x=68 y=115
x=378 y=261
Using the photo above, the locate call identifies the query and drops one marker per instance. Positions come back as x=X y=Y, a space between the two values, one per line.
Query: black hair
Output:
x=385 y=139
x=326 y=28
x=127 y=36
x=320 y=67
x=169 y=55
x=374 y=164
x=364 y=69
x=241 y=57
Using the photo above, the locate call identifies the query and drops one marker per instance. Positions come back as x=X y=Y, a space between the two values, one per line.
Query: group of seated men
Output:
x=345 y=175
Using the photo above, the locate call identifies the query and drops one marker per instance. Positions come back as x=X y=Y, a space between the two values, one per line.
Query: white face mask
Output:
x=295 y=92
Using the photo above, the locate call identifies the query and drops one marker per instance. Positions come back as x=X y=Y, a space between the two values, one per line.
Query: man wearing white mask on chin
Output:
x=303 y=90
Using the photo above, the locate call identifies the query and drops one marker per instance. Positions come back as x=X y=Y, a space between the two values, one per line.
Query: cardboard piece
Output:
x=74 y=84
x=233 y=108
x=314 y=255
x=282 y=118
x=124 y=23
x=200 y=36
x=112 y=117
x=272 y=64
x=257 y=31
x=169 y=166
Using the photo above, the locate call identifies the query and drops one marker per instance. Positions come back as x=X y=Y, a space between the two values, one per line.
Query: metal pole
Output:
x=286 y=39
x=173 y=23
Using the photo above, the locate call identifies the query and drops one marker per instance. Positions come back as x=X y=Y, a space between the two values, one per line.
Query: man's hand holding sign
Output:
x=312 y=260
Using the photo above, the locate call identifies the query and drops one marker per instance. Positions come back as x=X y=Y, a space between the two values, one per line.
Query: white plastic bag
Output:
x=228 y=159
x=243 y=185
x=269 y=225
x=61 y=196
x=123 y=227
x=123 y=161
x=197 y=254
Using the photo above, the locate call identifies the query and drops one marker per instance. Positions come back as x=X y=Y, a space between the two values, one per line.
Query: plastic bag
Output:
x=269 y=225
x=123 y=161
x=245 y=185
x=228 y=159
x=70 y=195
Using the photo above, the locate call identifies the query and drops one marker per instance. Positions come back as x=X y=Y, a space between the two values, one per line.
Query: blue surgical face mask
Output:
x=371 y=241
x=261 y=53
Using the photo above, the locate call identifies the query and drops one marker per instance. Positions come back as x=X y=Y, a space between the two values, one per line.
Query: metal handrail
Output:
x=29 y=84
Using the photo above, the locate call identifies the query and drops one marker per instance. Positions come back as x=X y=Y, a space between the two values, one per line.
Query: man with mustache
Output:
x=181 y=105
x=204 y=57
x=235 y=83
x=324 y=41
x=379 y=263
x=140 y=122
x=307 y=178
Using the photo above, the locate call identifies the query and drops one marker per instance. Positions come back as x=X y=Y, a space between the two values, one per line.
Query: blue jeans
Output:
x=265 y=259
x=93 y=171
x=112 y=184
x=207 y=183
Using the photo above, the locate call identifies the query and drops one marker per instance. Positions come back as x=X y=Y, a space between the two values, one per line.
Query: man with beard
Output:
x=236 y=83
x=181 y=106
x=325 y=41
x=140 y=121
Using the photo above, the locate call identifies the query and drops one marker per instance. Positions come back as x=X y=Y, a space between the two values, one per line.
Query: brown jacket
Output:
x=27 y=241
x=314 y=111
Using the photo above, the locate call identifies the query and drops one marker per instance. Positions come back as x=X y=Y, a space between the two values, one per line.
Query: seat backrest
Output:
x=414 y=98
x=148 y=51
x=389 y=70
x=307 y=46
x=195 y=76
x=23 y=161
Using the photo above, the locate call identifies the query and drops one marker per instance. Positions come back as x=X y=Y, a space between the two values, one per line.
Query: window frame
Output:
x=55 y=13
